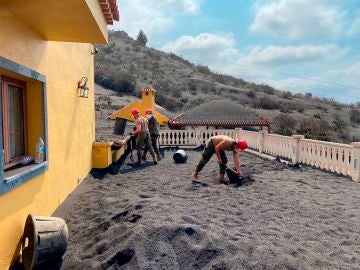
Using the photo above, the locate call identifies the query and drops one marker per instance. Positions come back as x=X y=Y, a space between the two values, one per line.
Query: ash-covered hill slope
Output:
x=125 y=66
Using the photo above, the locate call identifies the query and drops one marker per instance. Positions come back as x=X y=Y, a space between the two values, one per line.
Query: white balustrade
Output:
x=335 y=157
x=277 y=145
x=251 y=137
x=190 y=137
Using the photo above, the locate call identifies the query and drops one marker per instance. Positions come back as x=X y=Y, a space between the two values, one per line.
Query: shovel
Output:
x=233 y=176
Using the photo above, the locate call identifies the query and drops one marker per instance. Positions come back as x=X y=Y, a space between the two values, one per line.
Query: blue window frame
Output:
x=8 y=183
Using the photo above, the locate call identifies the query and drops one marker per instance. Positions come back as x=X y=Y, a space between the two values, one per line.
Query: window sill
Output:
x=12 y=180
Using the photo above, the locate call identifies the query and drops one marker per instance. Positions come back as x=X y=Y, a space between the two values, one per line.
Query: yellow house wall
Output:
x=71 y=126
x=148 y=101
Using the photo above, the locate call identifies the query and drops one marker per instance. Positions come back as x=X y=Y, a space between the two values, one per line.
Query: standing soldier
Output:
x=142 y=135
x=154 y=129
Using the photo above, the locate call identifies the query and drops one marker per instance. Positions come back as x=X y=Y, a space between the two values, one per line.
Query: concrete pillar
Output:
x=295 y=157
x=355 y=162
x=237 y=133
x=262 y=140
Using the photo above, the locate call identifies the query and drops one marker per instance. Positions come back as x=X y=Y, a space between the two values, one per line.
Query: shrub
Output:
x=221 y=78
x=203 y=69
x=314 y=128
x=267 y=89
x=251 y=94
x=355 y=115
x=192 y=86
x=268 y=103
x=124 y=83
x=339 y=123
x=205 y=89
x=285 y=107
x=284 y=124
x=168 y=103
x=184 y=100
x=300 y=108
x=162 y=85
x=176 y=92
x=287 y=95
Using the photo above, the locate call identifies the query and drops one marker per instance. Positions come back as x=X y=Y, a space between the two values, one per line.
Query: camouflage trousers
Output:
x=208 y=152
x=143 y=139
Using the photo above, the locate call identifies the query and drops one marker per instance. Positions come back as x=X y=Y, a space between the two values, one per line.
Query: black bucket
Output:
x=45 y=239
x=180 y=156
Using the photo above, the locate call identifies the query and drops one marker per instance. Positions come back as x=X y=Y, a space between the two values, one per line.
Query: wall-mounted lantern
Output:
x=83 y=88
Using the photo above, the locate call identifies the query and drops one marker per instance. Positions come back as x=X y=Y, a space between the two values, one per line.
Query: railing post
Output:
x=355 y=163
x=237 y=133
x=197 y=132
x=295 y=155
x=262 y=140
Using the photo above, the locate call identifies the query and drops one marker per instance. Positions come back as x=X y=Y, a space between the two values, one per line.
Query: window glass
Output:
x=16 y=123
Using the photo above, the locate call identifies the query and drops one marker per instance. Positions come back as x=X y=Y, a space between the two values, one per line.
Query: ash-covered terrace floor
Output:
x=155 y=218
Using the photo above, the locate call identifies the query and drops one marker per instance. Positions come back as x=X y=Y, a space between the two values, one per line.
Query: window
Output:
x=14 y=122
x=23 y=119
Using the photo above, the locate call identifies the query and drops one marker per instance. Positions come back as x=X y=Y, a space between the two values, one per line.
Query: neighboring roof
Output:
x=163 y=111
x=110 y=10
x=219 y=113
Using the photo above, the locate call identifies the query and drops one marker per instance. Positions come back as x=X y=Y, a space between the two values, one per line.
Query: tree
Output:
x=141 y=38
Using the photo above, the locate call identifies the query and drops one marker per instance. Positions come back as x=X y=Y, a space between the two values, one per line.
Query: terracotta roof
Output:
x=219 y=113
x=110 y=10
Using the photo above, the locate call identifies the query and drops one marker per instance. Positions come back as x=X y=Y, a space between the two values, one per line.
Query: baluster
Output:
x=337 y=158
x=343 y=163
x=326 y=158
x=349 y=164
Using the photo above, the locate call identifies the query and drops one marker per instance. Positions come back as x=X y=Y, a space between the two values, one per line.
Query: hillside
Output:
x=124 y=66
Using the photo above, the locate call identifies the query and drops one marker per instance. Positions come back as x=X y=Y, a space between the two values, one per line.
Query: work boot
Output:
x=194 y=176
x=138 y=163
x=158 y=157
x=154 y=158
x=222 y=179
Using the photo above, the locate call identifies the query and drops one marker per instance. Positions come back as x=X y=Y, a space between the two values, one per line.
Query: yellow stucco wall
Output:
x=71 y=126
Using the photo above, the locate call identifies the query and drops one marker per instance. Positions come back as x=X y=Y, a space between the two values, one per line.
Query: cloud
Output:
x=289 y=55
x=222 y=47
x=340 y=83
x=220 y=54
x=205 y=47
x=355 y=26
x=190 y=6
x=297 y=19
x=152 y=16
x=348 y=75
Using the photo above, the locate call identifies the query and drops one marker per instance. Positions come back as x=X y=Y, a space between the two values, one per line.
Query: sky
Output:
x=293 y=45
